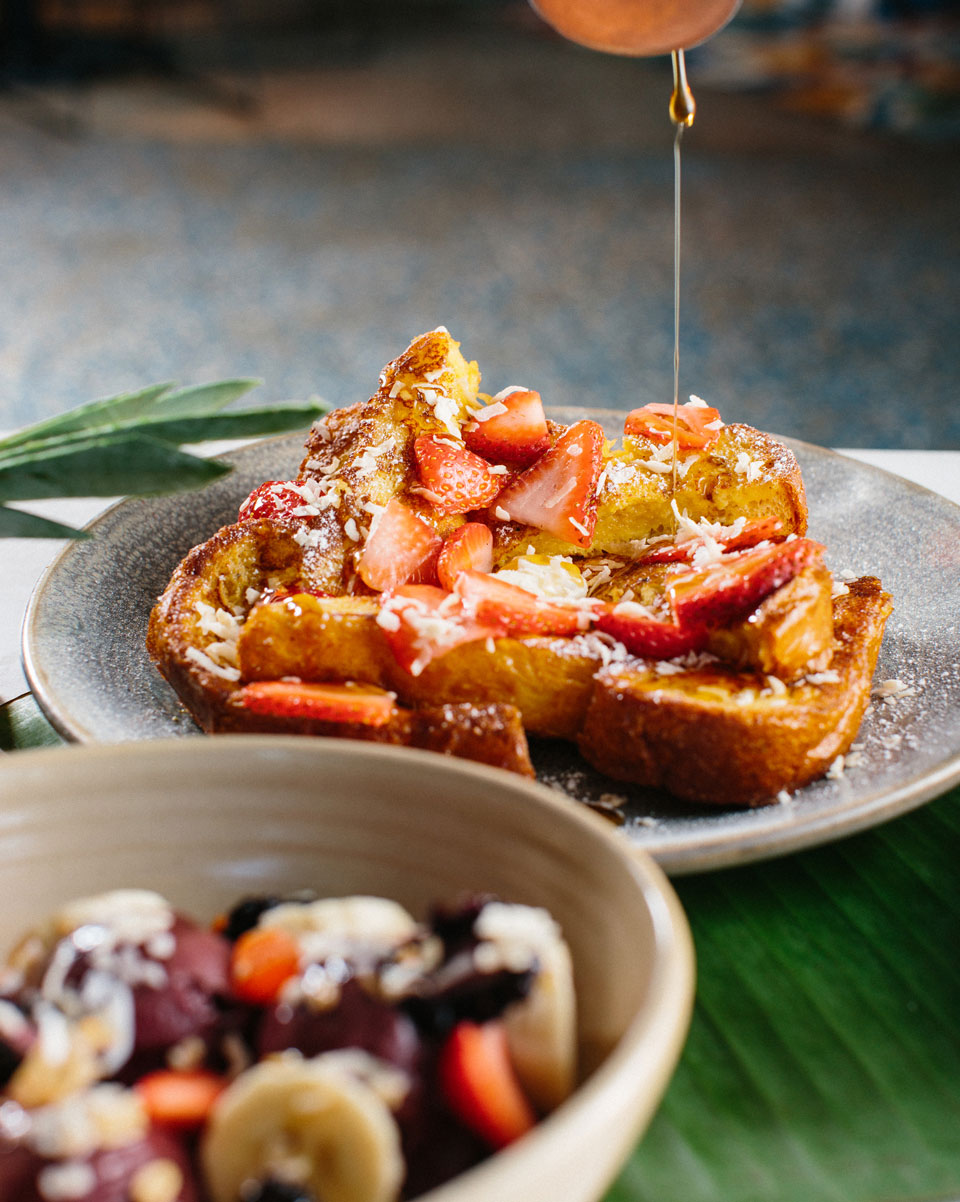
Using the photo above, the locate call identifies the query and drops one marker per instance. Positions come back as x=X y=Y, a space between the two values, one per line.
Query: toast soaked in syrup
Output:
x=452 y=570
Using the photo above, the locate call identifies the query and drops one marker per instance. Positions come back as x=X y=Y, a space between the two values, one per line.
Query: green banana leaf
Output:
x=823 y=1062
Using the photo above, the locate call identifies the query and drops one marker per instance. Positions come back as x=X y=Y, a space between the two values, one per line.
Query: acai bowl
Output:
x=446 y=863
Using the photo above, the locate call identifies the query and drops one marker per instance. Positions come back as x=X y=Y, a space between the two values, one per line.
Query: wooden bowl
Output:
x=206 y=821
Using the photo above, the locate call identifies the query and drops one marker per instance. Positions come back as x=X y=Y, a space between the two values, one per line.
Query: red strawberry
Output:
x=559 y=492
x=399 y=545
x=324 y=702
x=517 y=611
x=272 y=498
x=757 y=530
x=511 y=429
x=648 y=636
x=734 y=586
x=480 y=1084
x=470 y=546
x=657 y=422
x=421 y=623
x=459 y=479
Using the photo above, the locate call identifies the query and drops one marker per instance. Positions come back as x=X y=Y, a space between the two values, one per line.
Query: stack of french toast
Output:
x=452 y=570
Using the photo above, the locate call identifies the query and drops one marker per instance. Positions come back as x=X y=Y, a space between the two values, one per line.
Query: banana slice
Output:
x=344 y=926
x=309 y=1123
x=541 y=1029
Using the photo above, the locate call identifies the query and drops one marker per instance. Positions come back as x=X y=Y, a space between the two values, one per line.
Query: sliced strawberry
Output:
x=669 y=553
x=733 y=587
x=648 y=636
x=480 y=1085
x=517 y=611
x=511 y=429
x=399 y=544
x=421 y=623
x=469 y=547
x=657 y=422
x=757 y=530
x=324 y=702
x=459 y=480
x=272 y=498
x=559 y=492
x=263 y=960
x=180 y=1099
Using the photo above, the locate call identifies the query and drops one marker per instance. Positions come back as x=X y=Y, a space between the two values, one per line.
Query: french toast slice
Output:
x=537 y=634
x=712 y=733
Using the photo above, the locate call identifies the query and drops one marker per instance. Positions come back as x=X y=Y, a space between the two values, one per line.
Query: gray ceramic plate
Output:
x=85 y=627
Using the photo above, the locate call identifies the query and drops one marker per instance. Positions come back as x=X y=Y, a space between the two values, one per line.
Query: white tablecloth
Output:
x=23 y=560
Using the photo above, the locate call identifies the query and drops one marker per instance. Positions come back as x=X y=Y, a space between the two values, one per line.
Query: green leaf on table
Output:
x=14 y=523
x=133 y=407
x=129 y=444
x=22 y=725
x=90 y=416
x=823 y=1063
x=181 y=428
x=104 y=466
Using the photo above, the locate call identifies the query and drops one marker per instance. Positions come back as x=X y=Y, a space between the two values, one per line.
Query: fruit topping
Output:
x=511 y=429
x=421 y=622
x=399 y=544
x=272 y=498
x=180 y=1099
x=457 y=479
x=642 y=633
x=731 y=538
x=696 y=425
x=558 y=493
x=364 y=704
x=263 y=960
x=732 y=587
x=516 y=611
x=481 y=1086
x=470 y=547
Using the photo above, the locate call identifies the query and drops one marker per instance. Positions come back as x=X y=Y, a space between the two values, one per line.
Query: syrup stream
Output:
x=683 y=108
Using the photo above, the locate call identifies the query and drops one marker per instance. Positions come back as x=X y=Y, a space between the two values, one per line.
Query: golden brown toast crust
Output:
x=725 y=737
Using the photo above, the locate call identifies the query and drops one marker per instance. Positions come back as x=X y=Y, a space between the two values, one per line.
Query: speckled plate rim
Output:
x=779 y=830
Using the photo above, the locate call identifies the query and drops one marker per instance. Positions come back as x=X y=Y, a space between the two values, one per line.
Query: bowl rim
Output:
x=637 y=1069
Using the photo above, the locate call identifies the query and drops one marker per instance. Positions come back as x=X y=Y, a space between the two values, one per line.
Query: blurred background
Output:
x=293 y=190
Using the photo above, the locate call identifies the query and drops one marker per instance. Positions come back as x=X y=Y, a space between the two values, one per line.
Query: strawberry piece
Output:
x=648 y=636
x=263 y=960
x=514 y=609
x=669 y=553
x=459 y=480
x=757 y=530
x=362 y=704
x=272 y=499
x=559 y=492
x=480 y=1085
x=469 y=547
x=733 y=587
x=180 y=1099
x=421 y=623
x=657 y=422
x=399 y=544
x=511 y=429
